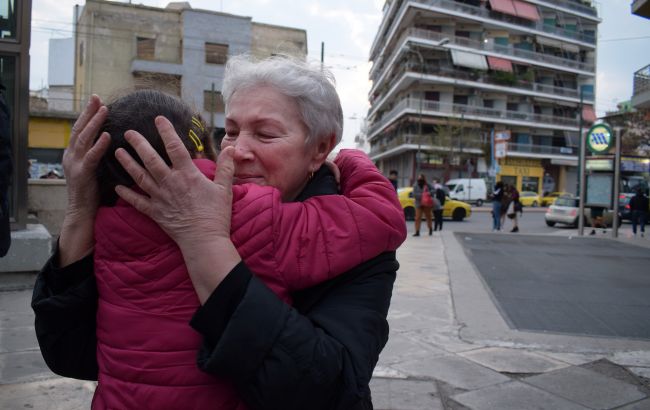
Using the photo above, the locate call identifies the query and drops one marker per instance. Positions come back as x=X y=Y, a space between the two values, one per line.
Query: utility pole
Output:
x=581 y=170
x=322 y=55
x=417 y=155
x=212 y=108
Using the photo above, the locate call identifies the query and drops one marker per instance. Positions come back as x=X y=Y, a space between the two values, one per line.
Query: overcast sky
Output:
x=348 y=29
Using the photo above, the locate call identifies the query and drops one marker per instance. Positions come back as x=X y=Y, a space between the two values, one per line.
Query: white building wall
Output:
x=60 y=68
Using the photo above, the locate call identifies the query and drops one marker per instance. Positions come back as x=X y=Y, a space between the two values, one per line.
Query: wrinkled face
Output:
x=265 y=128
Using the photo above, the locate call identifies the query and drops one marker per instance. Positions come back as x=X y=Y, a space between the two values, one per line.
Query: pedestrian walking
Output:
x=392 y=177
x=497 y=197
x=514 y=207
x=639 y=207
x=438 y=205
x=423 y=198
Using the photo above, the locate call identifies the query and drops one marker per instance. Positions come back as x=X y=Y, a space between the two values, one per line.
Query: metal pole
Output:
x=581 y=185
x=212 y=107
x=580 y=159
x=617 y=177
x=460 y=145
x=417 y=157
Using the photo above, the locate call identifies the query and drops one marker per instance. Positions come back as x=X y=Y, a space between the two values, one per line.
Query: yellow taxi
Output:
x=529 y=198
x=548 y=199
x=456 y=210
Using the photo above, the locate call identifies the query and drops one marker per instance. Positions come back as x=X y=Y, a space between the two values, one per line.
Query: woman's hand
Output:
x=80 y=161
x=194 y=211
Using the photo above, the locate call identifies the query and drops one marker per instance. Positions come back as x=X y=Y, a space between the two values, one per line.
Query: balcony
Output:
x=641 y=8
x=156 y=67
x=571 y=5
x=515 y=54
x=641 y=88
x=474 y=113
x=409 y=142
x=483 y=15
x=486 y=82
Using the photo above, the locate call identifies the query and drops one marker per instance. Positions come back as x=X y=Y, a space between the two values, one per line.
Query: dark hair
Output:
x=137 y=111
x=392 y=172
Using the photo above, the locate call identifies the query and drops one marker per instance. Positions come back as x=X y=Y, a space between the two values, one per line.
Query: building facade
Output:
x=178 y=49
x=448 y=76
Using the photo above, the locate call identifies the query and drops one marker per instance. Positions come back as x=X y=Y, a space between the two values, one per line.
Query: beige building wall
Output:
x=103 y=65
x=268 y=40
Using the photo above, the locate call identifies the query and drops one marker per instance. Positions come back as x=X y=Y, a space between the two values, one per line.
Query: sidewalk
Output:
x=450 y=347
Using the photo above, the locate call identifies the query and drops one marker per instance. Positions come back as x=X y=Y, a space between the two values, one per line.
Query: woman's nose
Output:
x=242 y=150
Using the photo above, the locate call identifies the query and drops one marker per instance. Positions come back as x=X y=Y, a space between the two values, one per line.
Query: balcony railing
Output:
x=484 y=13
x=572 y=5
x=642 y=80
x=477 y=80
x=468 y=143
x=541 y=149
x=460 y=110
x=504 y=50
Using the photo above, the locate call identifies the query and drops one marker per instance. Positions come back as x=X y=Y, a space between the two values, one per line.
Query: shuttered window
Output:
x=146 y=48
x=213 y=103
x=216 y=53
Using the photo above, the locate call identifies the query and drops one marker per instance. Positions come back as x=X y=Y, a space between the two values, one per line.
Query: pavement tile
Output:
x=24 y=366
x=401 y=348
x=456 y=371
x=573 y=358
x=388 y=394
x=641 y=371
x=514 y=396
x=587 y=387
x=633 y=358
x=54 y=394
x=639 y=405
x=513 y=360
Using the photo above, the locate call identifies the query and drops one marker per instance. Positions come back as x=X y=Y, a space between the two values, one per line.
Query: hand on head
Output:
x=186 y=205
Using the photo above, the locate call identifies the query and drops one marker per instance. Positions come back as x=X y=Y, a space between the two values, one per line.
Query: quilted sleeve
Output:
x=327 y=235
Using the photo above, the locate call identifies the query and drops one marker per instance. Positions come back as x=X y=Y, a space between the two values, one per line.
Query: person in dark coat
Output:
x=392 y=177
x=497 y=198
x=639 y=207
x=5 y=173
x=317 y=354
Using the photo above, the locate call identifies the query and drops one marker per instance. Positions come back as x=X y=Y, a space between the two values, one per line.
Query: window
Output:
x=216 y=53
x=488 y=103
x=81 y=53
x=461 y=99
x=7 y=19
x=432 y=95
x=213 y=102
x=146 y=48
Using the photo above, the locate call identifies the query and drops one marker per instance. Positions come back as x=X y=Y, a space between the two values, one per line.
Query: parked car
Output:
x=624 y=207
x=529 y=198
x=565 y=211
x=548 y=199
x=472 y=190
x=456 y=210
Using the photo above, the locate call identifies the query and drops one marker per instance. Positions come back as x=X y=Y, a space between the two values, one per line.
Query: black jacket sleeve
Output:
x=65 y=307
x=320 y=354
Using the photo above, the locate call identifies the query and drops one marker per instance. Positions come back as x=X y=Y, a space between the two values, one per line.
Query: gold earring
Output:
x=311 y=175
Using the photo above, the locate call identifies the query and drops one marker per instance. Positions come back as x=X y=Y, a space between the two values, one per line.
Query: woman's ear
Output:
x=322 y=150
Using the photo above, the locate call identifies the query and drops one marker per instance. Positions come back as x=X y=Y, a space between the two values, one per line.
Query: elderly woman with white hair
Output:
x=282 y=120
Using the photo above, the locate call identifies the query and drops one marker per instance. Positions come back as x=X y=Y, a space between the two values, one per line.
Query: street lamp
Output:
x=422 y=69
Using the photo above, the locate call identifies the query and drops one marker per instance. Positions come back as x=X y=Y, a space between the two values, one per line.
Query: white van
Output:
x=468 y=190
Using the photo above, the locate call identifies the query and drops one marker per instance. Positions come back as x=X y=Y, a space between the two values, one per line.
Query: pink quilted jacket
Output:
x=146 y=349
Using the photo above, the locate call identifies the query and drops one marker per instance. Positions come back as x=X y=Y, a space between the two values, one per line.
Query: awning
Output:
x=549 y=42
x=588 y=113
x=503 y=6
x=471 y=60
x=500 y=64
x=571 y=48
x=526 y=10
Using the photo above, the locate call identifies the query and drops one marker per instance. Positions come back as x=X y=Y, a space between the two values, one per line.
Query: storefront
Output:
x=526 y=174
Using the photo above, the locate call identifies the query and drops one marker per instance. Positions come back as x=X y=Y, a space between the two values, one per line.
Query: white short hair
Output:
x=312 y=87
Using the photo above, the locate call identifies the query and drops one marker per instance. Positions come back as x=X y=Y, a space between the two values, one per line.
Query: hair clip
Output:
x=196 y=140
x=198 y=124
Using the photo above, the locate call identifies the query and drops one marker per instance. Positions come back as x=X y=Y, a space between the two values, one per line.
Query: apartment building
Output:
x=122 y=46
x=450 y=75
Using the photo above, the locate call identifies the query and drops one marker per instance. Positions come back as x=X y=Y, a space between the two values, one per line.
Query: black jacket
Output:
x=318 y=354
x=639 y=202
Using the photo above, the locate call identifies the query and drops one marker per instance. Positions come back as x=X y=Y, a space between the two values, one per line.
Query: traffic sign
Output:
x=600 y=138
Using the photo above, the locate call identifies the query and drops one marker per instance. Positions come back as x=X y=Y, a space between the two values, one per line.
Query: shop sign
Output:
x=500 y=149
x=599 y=164
x=599 y=138
x=501 y=135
